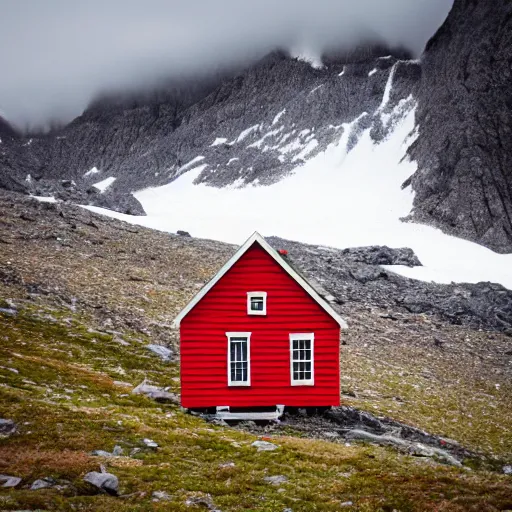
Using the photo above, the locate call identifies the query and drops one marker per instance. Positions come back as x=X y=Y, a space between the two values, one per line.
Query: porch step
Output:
x=224 y=413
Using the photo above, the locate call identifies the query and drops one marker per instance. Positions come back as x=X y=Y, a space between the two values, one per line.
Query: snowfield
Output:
x=337 y=198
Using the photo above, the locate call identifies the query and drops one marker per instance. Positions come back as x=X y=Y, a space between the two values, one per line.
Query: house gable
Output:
x=257 y=240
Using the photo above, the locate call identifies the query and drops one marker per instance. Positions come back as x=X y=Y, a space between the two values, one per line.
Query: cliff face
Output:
x=464 y=149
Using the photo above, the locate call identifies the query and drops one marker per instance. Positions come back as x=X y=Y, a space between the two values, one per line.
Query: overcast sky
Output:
x=56 y=55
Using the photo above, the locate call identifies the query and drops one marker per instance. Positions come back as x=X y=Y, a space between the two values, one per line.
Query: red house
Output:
x=258 y=335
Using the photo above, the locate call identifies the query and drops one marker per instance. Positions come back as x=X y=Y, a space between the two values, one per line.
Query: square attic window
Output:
x=256 y=303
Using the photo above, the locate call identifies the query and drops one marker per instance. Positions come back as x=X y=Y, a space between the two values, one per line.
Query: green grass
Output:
x=66 y=404
x=471 y=406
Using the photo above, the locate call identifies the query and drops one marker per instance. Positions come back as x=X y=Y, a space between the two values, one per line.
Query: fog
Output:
x=56 y=55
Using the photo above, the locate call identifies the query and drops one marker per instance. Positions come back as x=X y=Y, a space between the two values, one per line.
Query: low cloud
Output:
x=56 y=55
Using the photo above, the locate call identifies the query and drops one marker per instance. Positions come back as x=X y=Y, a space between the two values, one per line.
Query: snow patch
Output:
x=45 y=199
x=244 y=134
x=94 y=170
x=219 y=141
x=315 y=89
x=190 y=164
x=308 y=148
x=103 y=185
x=278 y=117
x=260 y=142
x=372 y=72
x=336 y=198
x=342 y=72
x=387 y=90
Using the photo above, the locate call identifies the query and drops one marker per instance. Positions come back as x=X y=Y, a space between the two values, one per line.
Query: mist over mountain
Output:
x=62 y=55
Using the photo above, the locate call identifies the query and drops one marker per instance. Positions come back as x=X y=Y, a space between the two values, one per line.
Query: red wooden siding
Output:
x=204 y=345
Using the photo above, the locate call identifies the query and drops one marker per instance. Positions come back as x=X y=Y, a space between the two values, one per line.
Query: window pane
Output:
x=302 y=364
x=257 y=303
x=238 y=350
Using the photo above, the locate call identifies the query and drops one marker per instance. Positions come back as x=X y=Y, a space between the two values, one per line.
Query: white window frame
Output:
x=303 y=336
x=252 y=295
x=239 y=335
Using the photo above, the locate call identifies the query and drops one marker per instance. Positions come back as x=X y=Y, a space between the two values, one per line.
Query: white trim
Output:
x=239 y=335
x=223 y=413
x=256 y=237
x=253 y=295
x=303 y=336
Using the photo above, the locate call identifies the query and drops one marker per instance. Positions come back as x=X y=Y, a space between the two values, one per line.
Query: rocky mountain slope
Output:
x=81 y=297
x=464 y=150
x=258 y=125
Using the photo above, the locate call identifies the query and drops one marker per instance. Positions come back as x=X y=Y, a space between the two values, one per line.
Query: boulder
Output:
x=7 y=427
x=117 y=451
x=9 y=481
x=276 y=479
x=101 y=453
x=166 y=354
x=150 y=443
x=43 y=483
x=382 y=255
x=264 y=446
x=106 y=482
x=156 y=393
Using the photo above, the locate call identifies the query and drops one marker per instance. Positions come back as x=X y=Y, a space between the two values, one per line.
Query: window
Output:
x=239 y=358
x=256 y=303
x=302 y=370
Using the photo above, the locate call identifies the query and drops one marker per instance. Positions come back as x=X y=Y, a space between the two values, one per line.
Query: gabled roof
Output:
x=257 y=238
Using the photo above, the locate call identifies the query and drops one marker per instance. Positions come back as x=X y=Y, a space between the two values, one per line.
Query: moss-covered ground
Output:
x=63 y=384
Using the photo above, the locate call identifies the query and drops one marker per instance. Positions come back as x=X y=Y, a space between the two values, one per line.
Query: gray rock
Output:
x=43 y=483
x=122 y=384
x=382 y=255
x=421 y=450
x=264 y=446
x=507 y=470
x=182 y=233
x=383 y=440
x=417 y=449
x=8 y=311
x=202 y=501
x=106 y=482
x=117 y=451
x=164 y=397
x=166 y=354
x=144 y=388
x=7 y=427
x=150 y=443
x=101 y=453
x=9 y=481
x=227 y=465
x=161 y=496
x=276 y=479
x=156 y=393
